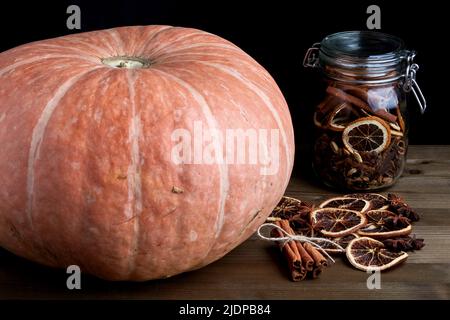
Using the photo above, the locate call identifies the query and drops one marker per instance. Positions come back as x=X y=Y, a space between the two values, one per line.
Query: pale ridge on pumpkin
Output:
x=243 y=59
x=118 y=40
x=145 y=45
x=106 y=41
x=82 y=53
x=156 y=50
x=207 y=45
x=38 y=134
x=133 y=208
x=223 y=168
x=101 y=51
x=176 y=57
x=266 y=101
x=41 y=58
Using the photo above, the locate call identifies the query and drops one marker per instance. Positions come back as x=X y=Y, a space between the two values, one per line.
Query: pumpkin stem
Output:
x=126 y=62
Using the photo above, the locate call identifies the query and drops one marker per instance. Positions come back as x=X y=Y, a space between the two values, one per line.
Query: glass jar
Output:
x=361 y=127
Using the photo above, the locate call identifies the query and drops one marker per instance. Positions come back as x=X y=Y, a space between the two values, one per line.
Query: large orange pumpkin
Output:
x=87 y=174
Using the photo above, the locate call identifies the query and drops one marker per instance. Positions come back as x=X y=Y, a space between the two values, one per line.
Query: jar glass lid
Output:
x=369 y=53
x=367 y=45
x=366 y=57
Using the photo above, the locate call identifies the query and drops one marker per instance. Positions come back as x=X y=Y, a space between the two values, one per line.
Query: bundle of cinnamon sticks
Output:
x=303 y=259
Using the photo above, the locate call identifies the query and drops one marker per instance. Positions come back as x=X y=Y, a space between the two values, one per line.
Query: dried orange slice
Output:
x=319 y=119
x=360 y=205
x=377 y=201
x=382 y=224
x=370 y=254
x=342 y=241
x=342 y=115
x=369 y=134
x=345 y=240
x=334 y=222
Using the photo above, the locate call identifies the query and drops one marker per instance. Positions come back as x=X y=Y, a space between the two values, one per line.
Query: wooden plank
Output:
x=256 y=269
x=429 y=152
x=427 y=168
x=261 y=278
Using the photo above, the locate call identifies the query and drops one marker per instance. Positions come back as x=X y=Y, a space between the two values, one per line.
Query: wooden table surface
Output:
x=255 y=270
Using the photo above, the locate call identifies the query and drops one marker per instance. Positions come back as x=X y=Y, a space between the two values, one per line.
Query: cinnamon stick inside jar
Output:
x=356 y=101
x=360 y=125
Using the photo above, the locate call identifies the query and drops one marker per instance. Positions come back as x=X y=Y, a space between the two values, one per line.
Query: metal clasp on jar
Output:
x=411 y=84
x=311 y=58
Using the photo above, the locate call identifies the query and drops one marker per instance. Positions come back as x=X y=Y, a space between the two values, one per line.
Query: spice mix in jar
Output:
x=361 y=125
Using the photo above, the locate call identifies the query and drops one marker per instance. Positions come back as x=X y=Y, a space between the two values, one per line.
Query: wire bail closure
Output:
x=311 y=59
x=411 y=83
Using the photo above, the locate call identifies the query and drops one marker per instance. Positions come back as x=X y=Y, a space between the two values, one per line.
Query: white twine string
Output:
x=295 y=237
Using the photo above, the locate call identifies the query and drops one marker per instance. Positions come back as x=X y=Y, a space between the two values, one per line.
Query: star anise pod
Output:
x=300 y=218
x=399 y=206
x=288 y=207
x=301 y=222
x=404 y=243
x=397 y=222
x=301 y=225
x=297 y=212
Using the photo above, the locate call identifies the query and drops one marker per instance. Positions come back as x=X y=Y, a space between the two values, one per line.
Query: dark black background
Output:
x=275 y=33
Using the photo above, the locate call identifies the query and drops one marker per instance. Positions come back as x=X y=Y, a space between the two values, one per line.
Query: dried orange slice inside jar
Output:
x=361 y=128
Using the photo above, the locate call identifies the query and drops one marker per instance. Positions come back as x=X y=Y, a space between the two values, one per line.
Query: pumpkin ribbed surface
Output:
x=86 y=171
